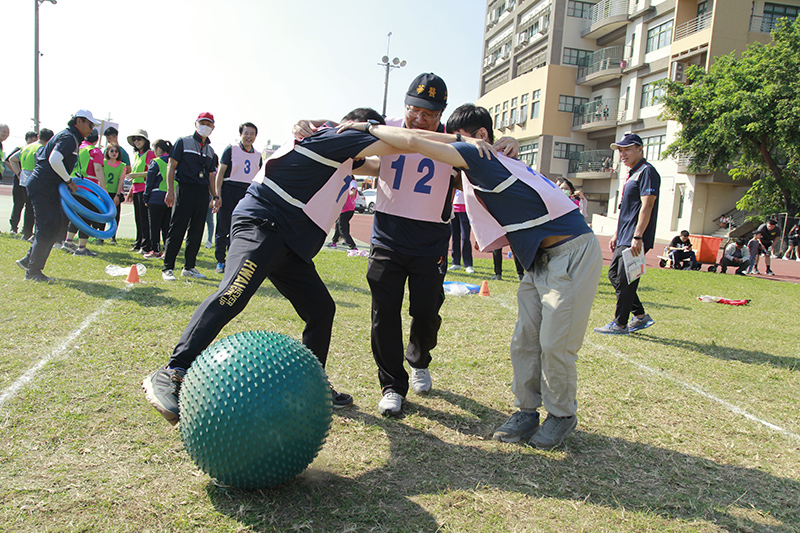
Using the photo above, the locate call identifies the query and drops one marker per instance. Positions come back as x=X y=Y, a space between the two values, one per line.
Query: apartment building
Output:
x=568 y=77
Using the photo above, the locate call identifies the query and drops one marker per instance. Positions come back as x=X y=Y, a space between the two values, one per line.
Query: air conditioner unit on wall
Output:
x=678 y=72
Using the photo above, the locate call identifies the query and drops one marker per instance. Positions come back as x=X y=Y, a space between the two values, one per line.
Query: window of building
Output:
x=535 y=103
x=567 y=150
x=505 y=105
x=513 y=117
x=774 y=12
x=653 y=147
x=702 y=7
x=529 y=153
x=505 y=118
x=569 y=103
x=523 y=108
x=571 y=56
x=579 y=9
x=651 y=94
x=659 y=37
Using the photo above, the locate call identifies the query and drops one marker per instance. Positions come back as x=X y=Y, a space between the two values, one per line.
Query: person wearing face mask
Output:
x=575 y=195
x=192 y=163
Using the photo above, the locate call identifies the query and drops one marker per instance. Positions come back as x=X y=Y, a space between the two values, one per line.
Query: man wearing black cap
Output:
x=636 y=229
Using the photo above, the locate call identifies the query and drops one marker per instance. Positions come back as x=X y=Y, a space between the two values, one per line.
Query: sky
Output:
x=156 y=64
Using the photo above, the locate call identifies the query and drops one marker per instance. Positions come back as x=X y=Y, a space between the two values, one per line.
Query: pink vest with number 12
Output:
x=324 y=207
x=412 y=185
x=489 y=234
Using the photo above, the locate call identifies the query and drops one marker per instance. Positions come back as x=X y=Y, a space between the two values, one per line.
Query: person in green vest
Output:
x=19 y=194
x=114 y=177
x=142 y=157
x=155 y=191
x=90 y=164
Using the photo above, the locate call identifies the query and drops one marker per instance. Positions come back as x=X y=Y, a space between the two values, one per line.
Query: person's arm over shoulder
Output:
x=402 y=140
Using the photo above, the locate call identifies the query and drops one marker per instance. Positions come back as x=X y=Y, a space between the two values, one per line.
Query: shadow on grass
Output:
x=726 y=353
x=591 y=470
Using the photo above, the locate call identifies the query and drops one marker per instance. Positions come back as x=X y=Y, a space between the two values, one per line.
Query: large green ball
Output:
x=255 y=409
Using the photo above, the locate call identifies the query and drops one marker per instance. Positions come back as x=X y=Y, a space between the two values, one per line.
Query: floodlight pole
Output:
x=36 y=54
x=388 y=65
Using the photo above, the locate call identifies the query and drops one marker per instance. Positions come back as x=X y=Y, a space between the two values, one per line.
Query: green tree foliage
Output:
x=743 y=115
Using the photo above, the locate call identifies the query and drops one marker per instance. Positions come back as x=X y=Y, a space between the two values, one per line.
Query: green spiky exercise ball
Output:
x=255 y=409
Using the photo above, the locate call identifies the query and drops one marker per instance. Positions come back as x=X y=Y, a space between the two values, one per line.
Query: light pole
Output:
x=395 y=63
x=36 y=54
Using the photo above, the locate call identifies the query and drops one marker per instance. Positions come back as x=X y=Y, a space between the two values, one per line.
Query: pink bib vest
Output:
x=489 y=234
x=412 y=185
x=244 y=165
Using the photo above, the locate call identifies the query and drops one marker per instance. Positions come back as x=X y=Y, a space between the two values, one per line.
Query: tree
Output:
x=743 y=116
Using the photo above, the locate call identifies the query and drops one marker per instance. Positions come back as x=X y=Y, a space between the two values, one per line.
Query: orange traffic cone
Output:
x=133 y=275
x=484 y=289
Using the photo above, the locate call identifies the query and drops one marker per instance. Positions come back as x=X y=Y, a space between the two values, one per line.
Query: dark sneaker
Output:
x=553 y=431
x=23 y=264
x=68 y=246
x=84 y=251
x=770 y=272
x=340 y=399
x=391 y=404
x=521 y=426
x=38 y=276
x=496 y=277
x=162 y=389
x=612 y=328
x=637 y=324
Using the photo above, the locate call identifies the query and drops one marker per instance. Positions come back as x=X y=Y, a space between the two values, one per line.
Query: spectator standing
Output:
x=636 y=230
x=5 y=131
x=754 y=249
x=497 y=263
x=342 y=226
x=770 y=231
x=794 y=243
x=575 y=195
x=192 y=164
x=238 y=166
x=114 y=174
x=54 y=162
x=112 y=137
x=155 y=191
x=461 y=232
x=142 y=157
x=19 y=194
x=27 y=162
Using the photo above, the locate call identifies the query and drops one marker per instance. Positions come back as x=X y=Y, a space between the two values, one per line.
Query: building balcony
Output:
x=603 y=65
x=604 y=17
x=592 y=164
x=596 y=115
x=693 y=26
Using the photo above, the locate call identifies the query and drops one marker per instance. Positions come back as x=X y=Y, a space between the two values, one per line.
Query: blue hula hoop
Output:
x=98 y=198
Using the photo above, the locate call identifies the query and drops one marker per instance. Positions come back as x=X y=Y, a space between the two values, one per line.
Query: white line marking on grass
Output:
x=28 y=376
x=694 y=388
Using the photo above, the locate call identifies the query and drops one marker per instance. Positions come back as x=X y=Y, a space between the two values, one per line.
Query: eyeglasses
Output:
x=417 y=112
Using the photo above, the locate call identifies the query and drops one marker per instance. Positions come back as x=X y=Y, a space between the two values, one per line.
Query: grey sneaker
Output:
x=23 y=264
x=421 y=382
x=521 y=426
x=192 y=273
x=553 y=431
x=454 y=267
x=68 y=246
x=84 y=251
x=391 y=404
x=162 y=389
x=637 y=324
x=168 y=275
x=612 y=328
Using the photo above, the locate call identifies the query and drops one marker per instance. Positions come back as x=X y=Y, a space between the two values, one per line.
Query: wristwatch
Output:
x=637 y=238
x=371 y=122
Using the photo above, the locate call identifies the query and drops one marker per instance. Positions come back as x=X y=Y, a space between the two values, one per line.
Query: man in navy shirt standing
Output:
x=636 y=229
x=192 y=164
x=54 y=164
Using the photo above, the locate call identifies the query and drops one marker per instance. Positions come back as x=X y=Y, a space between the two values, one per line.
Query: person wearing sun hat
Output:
x=636 y=229
x=192 y=164
x=142 y=157
x=54 y=162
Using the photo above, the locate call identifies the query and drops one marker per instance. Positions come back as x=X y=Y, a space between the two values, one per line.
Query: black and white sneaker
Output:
x=340 y=399
x=162 y=389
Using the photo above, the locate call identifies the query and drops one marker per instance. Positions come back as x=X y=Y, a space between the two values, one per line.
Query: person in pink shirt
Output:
x=461 y=231
x=342 y=227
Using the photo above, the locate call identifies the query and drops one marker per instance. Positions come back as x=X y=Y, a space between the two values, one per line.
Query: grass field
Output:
x=691 y=425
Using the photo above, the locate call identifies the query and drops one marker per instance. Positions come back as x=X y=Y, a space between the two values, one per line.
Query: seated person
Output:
x=680 y=249
x=733 y=257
